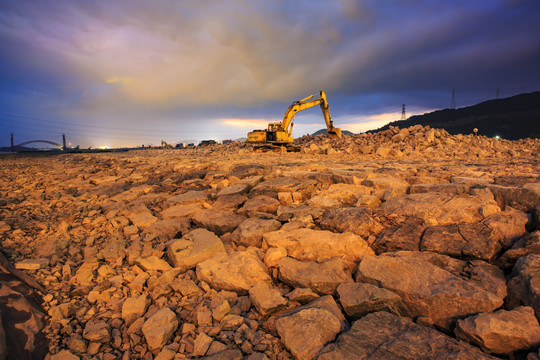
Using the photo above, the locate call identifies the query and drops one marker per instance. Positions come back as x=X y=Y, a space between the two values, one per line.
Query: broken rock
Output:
x=236 y=272
x=322 y=278
x=357 y=220
x=134 y=308
x=194 y=247
x=501 y=332
x=437 y=208
x=382 y=335
x=462 y=240
x=251 y=231
x=265 y=299
x=427 y=286
x=307 y=329
x=158 y=329
x=217 y=221
x=318 y=245
x=359 y=299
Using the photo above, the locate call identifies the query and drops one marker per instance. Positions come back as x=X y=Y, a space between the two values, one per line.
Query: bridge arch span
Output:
x=37 y=141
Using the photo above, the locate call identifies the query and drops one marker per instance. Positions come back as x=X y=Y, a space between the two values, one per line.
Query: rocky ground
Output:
x=409 y=244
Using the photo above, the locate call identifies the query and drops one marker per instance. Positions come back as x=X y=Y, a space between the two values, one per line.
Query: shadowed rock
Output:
x=462 y=241
x=529 y=244
x=524 y=286
x=382 y=335
x=523 y=198
x=404 y=237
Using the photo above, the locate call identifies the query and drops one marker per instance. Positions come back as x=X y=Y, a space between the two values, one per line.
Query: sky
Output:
x=127 y=73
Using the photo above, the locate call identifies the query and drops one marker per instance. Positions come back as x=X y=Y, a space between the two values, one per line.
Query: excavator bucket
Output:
x=335 y=133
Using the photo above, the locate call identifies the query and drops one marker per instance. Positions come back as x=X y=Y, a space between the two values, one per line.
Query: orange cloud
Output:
x=246 y=123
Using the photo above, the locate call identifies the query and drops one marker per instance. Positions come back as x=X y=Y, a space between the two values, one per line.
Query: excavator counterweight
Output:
x=280 y=133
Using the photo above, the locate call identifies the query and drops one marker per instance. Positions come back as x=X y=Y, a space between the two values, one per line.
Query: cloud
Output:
x=177 y=60
x=246 y=123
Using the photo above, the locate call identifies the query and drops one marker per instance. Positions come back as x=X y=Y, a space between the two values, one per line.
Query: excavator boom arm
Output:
x=306 y=104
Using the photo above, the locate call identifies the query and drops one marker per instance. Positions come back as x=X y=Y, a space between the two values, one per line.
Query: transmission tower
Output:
x=453 y=105
x=403 y=117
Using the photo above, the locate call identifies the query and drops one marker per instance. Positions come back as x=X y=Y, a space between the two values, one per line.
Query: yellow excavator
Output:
x=280 y=133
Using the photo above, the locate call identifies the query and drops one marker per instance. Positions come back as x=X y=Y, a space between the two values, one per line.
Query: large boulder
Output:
x=261 y=203
x=169 y=228
x=266 y=299
x=524 y=286
x=524 y=198
x=189 y=197
x=406 y=236
x=453 y=189
x=141 y=216
x=475 y=241
x=529 y=244
x=159 y=328
x=180 y=211
x=251 y=231
x=300 y=211
x=359 y=299
x=338 y=195
x=322 y=278
x=318 y=245
x=430 y=285
x=438 y=208
x=272 y=187
x=307 y=329
x=501 y=332
x=382 y=335
x=358 y=220
x=133 y=308
x=194 y=247
x=509 y=223
x=218 y=221
x=236 y=272
x=235 y=189
x=383 y=183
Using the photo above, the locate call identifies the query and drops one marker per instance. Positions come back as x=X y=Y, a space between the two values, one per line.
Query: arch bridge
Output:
x=38 y=141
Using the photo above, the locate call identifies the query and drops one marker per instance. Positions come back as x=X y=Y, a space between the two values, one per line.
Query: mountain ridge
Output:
x=512 y=118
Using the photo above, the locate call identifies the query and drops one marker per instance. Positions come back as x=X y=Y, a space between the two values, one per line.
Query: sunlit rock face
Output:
x=411 y=243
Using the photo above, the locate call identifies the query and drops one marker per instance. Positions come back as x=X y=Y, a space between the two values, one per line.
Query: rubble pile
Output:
x=409 y=243
x=419 y=142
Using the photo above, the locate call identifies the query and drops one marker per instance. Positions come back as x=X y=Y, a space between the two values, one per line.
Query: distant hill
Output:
x=324 y=131
x=512 y=118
